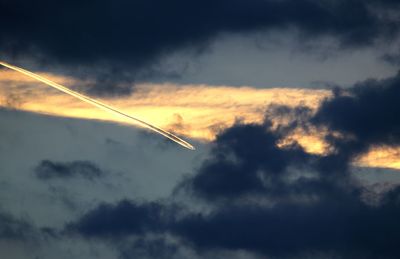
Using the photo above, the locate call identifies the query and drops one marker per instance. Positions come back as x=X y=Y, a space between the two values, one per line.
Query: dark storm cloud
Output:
x=366 y=115
x=109 y=38
x=48 y=170
x=244 y=160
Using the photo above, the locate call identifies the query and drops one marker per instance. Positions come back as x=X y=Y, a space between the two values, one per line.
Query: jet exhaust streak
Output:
x=100 y=105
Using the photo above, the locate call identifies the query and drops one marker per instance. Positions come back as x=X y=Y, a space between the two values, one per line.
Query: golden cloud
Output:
x=195 y=111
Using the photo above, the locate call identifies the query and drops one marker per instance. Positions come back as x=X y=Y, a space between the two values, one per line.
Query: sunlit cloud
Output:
x=195 y=111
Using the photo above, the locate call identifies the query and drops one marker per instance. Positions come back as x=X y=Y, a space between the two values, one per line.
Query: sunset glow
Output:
x=194 y=111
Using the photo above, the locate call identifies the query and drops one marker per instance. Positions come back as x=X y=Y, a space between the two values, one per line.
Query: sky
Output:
x=292 y=106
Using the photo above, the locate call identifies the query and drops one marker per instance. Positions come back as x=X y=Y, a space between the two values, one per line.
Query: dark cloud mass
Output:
x=48 y=170
x=346 y=226
x=366 y=115
x=338 y=221
x=245 y=159
x=119 y=220
x=112 y=37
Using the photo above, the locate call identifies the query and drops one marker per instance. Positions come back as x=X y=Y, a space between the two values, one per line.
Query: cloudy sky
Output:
x=292 y=105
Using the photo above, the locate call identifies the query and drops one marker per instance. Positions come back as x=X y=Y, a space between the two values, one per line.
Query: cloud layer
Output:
x=109 y=39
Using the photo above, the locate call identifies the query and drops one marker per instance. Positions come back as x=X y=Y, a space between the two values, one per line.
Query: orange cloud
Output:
x=195 y=111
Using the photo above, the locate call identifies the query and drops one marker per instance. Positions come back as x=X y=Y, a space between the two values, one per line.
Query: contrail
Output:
x=100 y=105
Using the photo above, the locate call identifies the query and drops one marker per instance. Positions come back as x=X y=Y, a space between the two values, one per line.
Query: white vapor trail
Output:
x=100 y=105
